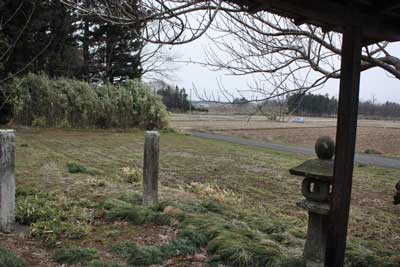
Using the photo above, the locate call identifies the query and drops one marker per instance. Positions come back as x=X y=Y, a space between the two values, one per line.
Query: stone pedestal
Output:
x=316 y=187
x=315 y=247
x=7 y=180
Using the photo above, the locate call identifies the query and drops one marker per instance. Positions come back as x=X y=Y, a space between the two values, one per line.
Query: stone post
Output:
x=7 y=180
x=150 y=168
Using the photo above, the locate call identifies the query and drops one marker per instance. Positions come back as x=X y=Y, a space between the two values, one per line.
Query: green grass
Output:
x=75 y=255
x=372 y=151
x=50 y=217
x=10 y=259
x=266 y=213
x=33 y=206
x=74 y=167
x=243 y=239
x=115 y=209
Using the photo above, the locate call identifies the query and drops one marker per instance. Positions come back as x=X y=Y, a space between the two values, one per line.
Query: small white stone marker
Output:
x=7 y=180
x=150 y=168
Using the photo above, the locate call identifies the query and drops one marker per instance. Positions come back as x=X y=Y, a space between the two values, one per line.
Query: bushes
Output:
x=40 y=102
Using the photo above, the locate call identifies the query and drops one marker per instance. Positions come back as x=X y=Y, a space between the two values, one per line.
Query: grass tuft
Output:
x=186 y=244
x=50 y=218
x=213 y=206
x=145 y=256
x=98 y=263
x=116 y=209
x=123 y=249
x=138 y=216
x=37 y=207
x=133 y=198
x=10 y=259
x=244 y=248
x=75 y=255
x=372 y=151
x=75 y=167
x=132 y=175
x=368 y=254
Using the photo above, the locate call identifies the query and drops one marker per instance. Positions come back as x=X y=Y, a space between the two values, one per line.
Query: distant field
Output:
x=373 y=135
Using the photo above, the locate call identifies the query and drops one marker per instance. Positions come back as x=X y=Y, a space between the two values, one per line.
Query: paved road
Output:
x=364 y=159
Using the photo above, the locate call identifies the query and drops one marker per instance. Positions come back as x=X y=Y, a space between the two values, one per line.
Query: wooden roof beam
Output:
x=389 y=5
x=330 y=15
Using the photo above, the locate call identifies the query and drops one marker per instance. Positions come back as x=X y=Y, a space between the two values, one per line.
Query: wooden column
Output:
x=7 y=180
x=345 y=145
x=150 y=168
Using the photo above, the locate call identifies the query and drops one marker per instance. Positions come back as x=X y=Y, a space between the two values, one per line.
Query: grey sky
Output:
x=374 y=83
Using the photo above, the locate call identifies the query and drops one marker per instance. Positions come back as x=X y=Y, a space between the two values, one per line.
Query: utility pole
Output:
x=190 y=101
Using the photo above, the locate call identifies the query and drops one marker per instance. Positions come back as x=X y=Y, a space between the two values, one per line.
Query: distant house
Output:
x=201 y=105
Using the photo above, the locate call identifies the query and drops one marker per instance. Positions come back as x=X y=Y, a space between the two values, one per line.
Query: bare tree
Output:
x=285 y=56
x=7 y=47
x=156 y=62
x=163 y=21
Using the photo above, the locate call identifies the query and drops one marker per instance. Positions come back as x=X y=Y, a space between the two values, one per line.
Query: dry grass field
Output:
x=221 y=205
x=373 y=135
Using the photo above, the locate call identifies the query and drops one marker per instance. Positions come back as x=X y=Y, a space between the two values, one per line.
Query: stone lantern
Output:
x=316 y=188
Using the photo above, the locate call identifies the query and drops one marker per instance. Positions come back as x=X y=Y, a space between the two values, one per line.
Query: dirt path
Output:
x=363 y=159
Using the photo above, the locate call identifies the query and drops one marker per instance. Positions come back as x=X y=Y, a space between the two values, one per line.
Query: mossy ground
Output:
x=241 y=200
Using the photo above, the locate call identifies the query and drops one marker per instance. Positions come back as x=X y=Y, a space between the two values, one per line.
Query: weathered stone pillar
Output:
x=7 y=180
x=150 y=168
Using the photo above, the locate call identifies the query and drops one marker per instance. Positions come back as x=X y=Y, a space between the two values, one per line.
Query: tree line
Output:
x=173 y=97
x=47 y=36
x=322 y=105
x=312 y=105
x=379 y=110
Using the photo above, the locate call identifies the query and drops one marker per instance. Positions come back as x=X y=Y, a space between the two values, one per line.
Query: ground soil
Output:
x=30 y=250
x=101 y=238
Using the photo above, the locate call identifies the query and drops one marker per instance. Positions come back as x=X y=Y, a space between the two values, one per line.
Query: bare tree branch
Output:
x=284 y=56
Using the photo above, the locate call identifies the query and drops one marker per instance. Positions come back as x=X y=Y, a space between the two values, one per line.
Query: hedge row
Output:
x=36 y=100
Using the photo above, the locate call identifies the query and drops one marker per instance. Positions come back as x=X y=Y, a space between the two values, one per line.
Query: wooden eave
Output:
x=379 y=19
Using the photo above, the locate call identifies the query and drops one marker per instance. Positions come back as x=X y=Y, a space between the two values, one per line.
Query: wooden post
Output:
x=7 y=180
x=150 y=168
x=345 y=145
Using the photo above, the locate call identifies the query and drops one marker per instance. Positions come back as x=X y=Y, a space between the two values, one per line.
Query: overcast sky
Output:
x=374 y=83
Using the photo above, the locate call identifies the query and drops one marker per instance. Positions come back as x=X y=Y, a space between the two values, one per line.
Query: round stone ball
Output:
x=325 y=147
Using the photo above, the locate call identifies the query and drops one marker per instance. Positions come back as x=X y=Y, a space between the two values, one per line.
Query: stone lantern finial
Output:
x=325 y=147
